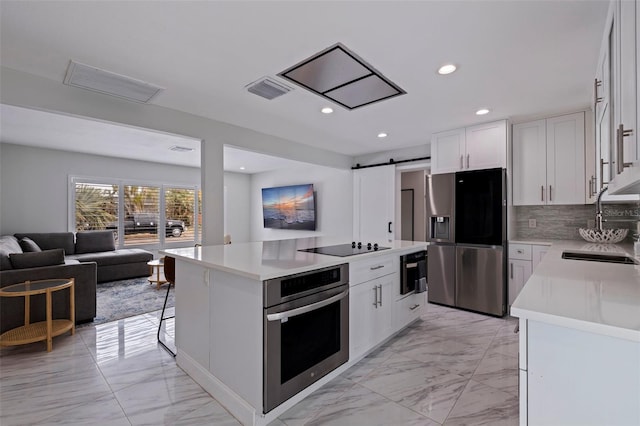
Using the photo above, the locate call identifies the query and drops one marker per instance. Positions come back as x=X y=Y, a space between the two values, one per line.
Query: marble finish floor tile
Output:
x=498 y=371
x=480 y=404
x=450 y=367
x=361 y=406
x=427 y=389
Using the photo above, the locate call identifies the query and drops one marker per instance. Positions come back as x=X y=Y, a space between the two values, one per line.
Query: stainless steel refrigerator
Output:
x=466 y=215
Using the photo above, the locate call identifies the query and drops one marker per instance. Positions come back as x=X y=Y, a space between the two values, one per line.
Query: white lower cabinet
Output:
x=519 y=273
x=193 y=305
x=370 y=313
x=408 y=309
x=575 y=377
x=523 y=260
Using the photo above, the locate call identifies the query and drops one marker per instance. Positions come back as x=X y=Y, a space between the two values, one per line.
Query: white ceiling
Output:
x=518 y=58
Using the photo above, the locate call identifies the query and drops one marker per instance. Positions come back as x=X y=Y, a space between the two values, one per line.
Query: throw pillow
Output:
x=8 y=244
x=28 y=245
x=37 y=259
x=94 y=241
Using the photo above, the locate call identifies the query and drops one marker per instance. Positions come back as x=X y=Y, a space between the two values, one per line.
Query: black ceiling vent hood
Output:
x=341 y=76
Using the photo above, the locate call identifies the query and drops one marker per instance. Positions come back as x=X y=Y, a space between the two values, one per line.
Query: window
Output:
x=136 y=213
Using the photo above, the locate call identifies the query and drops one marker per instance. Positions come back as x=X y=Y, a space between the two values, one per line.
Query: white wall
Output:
x=30 y=91
x=334 y=201
x=416 y=181
x=35 y=183
x=237 y=208
x=397 y=154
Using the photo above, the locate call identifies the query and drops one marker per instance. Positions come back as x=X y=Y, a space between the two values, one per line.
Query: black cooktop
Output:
x=344 y=250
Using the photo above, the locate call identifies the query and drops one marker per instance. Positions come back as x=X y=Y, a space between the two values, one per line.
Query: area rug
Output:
x=126 y=298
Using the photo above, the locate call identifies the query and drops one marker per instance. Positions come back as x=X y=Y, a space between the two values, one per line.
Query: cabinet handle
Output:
x=542 y=193
x=375 y=296
x=596 y=84
x=620 y=134
x=468 y=160
x=389 y=229
x=550 y=197
x=602 y=182
x=590 y=185
x=461 y=160
x=511 y=270
x=380 y=300
x=414 y=307
x=519 y=251
x=373 y=268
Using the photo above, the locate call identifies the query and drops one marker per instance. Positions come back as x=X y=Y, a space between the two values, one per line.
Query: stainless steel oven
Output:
x=306 y=330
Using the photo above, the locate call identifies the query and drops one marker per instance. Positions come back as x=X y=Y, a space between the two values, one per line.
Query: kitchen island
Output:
x=580 y=339
x=221 y=321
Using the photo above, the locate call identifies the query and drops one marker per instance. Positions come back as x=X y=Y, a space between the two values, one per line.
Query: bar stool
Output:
x=170 y=276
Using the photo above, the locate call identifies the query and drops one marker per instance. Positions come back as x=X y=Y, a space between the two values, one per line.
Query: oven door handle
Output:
x=308 y=308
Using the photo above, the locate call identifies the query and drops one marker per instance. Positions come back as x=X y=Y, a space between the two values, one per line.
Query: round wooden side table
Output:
x=43 y=330
x=156 y=266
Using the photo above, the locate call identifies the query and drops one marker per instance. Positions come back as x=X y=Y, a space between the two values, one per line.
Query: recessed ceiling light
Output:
x=446 y=69
x=482 y=111
x=326 y=110
x=241 y=167
x=382 y=135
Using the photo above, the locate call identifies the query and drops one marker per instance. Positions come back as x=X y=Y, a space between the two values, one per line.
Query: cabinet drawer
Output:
x=520 y=251
x=408 y=309
x=367 y=270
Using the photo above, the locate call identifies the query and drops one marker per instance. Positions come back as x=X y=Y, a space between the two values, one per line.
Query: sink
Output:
x=600 y=257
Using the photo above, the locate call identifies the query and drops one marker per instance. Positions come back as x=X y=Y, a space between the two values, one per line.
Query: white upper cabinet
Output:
x=549 y=161
x=529 y=163
x=622 y=39
x=374 y=204
x=482 y=146
x=447 y=151
x=565 y=159
x=626 y=119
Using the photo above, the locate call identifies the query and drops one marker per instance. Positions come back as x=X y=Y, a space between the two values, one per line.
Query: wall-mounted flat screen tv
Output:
x=289 y=207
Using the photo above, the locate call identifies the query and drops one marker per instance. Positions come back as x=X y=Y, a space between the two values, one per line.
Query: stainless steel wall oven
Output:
x=306 y=330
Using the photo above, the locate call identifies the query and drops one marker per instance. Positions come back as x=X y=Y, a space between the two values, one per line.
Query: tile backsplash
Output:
x=562 y=222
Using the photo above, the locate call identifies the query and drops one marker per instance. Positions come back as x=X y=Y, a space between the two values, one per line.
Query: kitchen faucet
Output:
x=599 y=218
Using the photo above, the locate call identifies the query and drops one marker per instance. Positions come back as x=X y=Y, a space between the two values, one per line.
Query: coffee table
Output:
x=156 y=266
x=42 y=330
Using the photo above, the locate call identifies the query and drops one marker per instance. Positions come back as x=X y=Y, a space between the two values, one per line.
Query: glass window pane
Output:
x=141 y=214
x=179 y=213
x=96 y=206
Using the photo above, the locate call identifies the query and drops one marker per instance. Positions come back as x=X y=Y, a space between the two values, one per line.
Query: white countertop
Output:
x=595 y=297
x=271 y=259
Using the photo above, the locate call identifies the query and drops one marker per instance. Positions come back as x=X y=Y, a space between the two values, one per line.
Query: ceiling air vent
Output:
x=179 y=148
x=109 y=83
x=267 y=88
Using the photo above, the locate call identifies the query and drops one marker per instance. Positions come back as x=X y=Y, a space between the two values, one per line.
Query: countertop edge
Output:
x=576 y=324
x=322 y=261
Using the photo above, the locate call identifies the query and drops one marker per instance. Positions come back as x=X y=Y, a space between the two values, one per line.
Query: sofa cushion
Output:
x=8 y=244
x=37 y=259
x=51 y=240
x=117 y=257
x=94 y=241
x=28 y=245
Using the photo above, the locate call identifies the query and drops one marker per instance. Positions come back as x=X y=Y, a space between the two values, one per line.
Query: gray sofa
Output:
x=90 y=258
x=98 y=247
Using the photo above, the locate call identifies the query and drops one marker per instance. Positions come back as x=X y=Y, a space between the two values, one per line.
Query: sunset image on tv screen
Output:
x=289 y=207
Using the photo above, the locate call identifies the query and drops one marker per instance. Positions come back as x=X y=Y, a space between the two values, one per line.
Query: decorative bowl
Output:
x=606 y=236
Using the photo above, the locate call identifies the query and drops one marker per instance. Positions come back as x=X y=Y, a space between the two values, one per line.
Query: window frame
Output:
x=161 y=185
